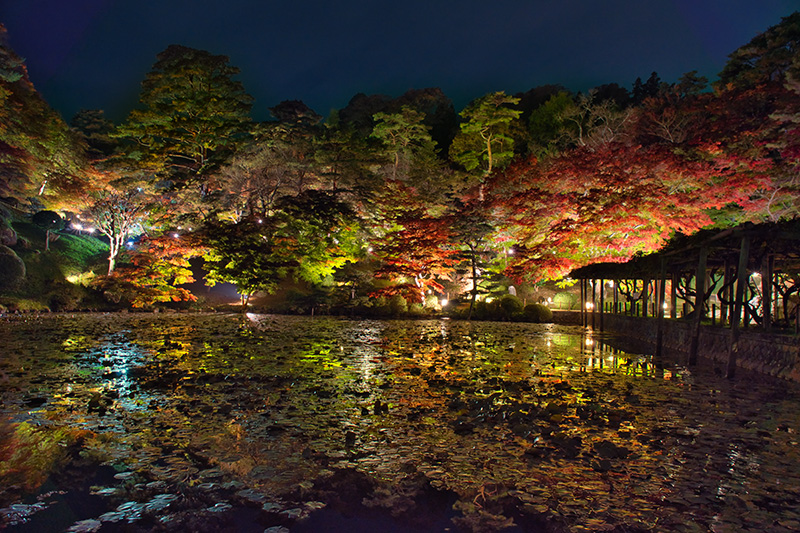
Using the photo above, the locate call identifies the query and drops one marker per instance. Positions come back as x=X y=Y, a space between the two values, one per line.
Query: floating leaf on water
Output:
x=105 y=491
x=277 y=529
x=85 y=526
x=315 y=506
x=252 y=495
x=19 y=513
x=124 y=475
x=130 y=506
x=112 y=516
x=292 y=514
x=221 y=507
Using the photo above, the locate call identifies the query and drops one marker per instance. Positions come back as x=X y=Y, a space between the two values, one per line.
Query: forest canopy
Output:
x=401 y=198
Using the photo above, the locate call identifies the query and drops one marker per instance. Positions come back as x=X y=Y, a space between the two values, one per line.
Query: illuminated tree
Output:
x=610 y=203
x=152 y=271
x=485 y=140
x=546 y=124
x=116 y=214
x=41 y=160
x=307 y=237
x=591 y=124
x=192 y=115
x=766 y=58
x=403 y=135
x=416 y=253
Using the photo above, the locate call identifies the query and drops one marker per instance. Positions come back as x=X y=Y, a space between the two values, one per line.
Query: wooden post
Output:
x=674 y=295
x=645 y=294
x=660 y=302
x=766 y=293
x=593 y=302
x=616 y=297
x=726 y=293
x=741 y=280
x=583 y=303
x=699 y=303
x=602 y=302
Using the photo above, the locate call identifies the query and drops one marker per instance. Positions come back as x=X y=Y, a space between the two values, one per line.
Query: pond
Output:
x=227 y=422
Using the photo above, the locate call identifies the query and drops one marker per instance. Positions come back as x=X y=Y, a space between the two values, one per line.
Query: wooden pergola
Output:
x=739 y=277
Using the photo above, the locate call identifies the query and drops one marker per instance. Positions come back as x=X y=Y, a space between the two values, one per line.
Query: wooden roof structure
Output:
x=752 y=266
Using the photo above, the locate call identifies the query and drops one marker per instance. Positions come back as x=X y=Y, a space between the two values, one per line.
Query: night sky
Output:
x=94 y=53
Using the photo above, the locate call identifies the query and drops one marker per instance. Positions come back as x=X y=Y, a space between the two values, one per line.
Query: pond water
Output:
x=223 y=422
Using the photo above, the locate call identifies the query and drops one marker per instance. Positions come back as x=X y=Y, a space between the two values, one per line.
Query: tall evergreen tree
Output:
x=192 y=115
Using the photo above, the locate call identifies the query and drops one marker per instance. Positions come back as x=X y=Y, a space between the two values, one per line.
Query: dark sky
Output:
x=94 y=53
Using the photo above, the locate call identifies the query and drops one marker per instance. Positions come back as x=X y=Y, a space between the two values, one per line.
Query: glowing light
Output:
x=369 y=249
x=589 y=342
x=175 y=235
x=611 y=283
x=444 y=302
x=180 y=227
x=77 y=226
x=665 y=306
x=260 y=221
x=511 y=251
x=90 y=230
x=589 y=306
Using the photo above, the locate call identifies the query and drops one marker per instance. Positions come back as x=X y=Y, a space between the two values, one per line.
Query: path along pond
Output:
x=224 y=422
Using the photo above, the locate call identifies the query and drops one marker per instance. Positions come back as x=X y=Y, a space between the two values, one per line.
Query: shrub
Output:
x=398 y=305
x=538 y=313
x=509 y=306
x=566 y=300
x=12 y=269
x=65 y=297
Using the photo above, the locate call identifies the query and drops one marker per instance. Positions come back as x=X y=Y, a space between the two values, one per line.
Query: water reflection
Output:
x=556 y=419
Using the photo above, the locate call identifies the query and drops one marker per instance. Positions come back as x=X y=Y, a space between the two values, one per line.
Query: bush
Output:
x=66 y=297
x=509 y=306
x=398 y=305
x=8 y=237
x=538 y=313
x=566 y=300
x=12 y=269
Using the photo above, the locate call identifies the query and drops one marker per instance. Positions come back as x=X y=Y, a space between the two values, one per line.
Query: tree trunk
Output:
x=474 y=290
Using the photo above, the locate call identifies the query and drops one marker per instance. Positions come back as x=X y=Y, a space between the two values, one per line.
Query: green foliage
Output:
x=50 y=221
x=537 y=313
x=39 y=156
x=12 y=269
x=509 y=306
x=404 y=136
x=485 y=139
x=766 y=58
x=192 y=113
x=546 y=123
x=308 y=237
x=398 y=305
x=566 y=300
